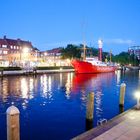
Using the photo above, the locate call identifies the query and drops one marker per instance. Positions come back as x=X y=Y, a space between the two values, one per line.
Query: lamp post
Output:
x=137 y=95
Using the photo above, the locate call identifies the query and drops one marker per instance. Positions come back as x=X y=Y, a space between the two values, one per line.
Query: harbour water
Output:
x=53 y=106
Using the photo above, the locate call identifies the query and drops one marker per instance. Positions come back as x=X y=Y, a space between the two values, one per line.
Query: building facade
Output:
x=53 y=58
x=134 y=50
x=17 y=52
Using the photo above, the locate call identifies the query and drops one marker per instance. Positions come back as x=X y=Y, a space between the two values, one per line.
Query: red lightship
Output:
x=93 y=65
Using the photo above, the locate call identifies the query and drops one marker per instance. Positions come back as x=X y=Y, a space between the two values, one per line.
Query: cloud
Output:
x=118 y=41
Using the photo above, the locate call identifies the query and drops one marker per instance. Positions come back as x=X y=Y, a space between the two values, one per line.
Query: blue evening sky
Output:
x=55 y=23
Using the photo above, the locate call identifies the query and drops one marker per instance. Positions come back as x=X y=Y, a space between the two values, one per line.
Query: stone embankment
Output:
x=25 y=72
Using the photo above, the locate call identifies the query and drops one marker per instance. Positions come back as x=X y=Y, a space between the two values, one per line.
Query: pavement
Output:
x=125 y=126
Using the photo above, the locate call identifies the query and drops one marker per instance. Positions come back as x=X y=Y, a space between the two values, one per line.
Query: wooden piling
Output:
x=122 y=94
x=13 y=132
x=90 y=106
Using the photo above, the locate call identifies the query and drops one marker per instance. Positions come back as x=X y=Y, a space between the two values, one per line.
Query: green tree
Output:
x=122 y=58
x=71 y=51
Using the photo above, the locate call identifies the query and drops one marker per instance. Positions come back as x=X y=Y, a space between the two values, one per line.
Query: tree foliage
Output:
x=125 y=58
x=71 y=51
x=75 y=51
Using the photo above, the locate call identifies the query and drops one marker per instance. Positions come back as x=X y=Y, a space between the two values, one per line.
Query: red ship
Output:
x=93 y=65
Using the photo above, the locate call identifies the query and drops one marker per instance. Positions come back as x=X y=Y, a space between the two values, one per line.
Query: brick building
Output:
x=17 y=52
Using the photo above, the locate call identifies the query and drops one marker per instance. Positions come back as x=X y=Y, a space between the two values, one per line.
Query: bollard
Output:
x=13 y=132
x=90 y=106
x=122 y=94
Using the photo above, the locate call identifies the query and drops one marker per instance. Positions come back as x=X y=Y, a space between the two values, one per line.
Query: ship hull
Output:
x=86 y=67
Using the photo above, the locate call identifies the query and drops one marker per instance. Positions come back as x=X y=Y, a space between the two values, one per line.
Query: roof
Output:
x=55 y=50
x=14 y=42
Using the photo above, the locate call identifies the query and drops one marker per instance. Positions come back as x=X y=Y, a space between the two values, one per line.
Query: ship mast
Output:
x=110 y=56
x=84 y=42
x=84 y=52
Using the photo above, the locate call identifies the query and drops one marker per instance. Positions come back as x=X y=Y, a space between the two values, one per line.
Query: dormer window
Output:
x=4 y=46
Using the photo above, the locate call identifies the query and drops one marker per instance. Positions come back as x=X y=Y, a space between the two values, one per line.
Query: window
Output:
x=11 y=47
x=4 y=46
x=5 y=52
x=14 y=47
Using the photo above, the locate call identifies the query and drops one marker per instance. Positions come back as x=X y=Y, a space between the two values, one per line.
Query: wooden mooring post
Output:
x=122 y=94
x=90 y=106
x=89 y=111
x=13 y=132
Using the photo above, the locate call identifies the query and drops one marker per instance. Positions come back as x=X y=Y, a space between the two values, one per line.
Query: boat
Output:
x=93 y=64
x=90 y=65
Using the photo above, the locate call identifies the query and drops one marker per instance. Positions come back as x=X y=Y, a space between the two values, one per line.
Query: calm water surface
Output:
x=53 y=106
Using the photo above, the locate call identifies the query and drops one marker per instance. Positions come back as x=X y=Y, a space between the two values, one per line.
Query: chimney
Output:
x=100 y=44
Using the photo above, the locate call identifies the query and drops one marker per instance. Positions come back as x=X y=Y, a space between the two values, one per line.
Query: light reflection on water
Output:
x=68 y=85
x=24 y=88
x=46 y=85
x=60 y=100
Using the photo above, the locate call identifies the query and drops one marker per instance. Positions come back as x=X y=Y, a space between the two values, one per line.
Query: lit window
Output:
x=11 y=47
x=4 y=46
x=14 y=47
x=5 y=52
x=17 y=47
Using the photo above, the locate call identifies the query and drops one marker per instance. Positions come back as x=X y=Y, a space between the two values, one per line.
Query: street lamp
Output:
x=25 y=50
x=137 y=95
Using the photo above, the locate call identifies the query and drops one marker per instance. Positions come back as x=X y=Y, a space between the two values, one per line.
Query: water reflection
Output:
x=49 y=97
x=46 y=85
x=118 y=76
x=24 y=88
x=85 y=83
x=68 y=85
x=98 y=103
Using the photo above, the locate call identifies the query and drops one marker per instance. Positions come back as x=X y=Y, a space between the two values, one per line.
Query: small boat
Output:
x=93 y=65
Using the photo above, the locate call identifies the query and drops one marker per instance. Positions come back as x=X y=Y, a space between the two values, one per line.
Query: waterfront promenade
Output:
x=24 y=72
x=125 y=126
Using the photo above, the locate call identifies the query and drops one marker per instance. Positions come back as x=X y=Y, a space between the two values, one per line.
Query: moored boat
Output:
x=93 y=65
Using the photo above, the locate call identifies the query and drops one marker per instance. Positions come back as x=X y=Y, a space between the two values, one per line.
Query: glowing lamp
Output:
x=25 y=50
x=137 y=95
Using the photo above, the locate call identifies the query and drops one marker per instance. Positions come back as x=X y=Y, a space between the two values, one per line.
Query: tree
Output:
x=123 y=58
x=71 y=51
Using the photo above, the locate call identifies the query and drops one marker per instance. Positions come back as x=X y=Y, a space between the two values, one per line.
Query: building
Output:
x=53 y=58
x=134 y=50
x=17 y=52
